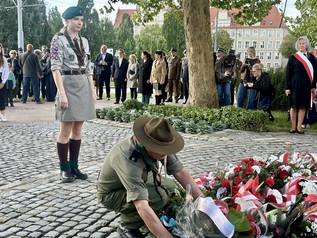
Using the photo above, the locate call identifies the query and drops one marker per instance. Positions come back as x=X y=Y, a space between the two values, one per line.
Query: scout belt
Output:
x=73 y=72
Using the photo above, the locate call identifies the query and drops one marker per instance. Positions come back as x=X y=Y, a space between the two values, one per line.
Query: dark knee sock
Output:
x=74 y=147
x=62 y=151
x=159 y=99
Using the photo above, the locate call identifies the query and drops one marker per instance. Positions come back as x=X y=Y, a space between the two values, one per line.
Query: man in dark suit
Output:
x=103 y=63
x=119 y=76
x=32 y=71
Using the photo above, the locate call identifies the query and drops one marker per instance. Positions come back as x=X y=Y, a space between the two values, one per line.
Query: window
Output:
x=232 y=33
x=276 y=65
x=277 y=55
x=278 y=33
x=271 y=33
x=254 y=44
x=262 y=44
x=245 y=55
x=239 y=33
x=277 y=44
x=269 y=55
x=268 y=65
x=239 y=44
x=270 y=44
x=255 y=33
x=247 y=44
x=263 y=33
x=261 y=55
x=247 y=33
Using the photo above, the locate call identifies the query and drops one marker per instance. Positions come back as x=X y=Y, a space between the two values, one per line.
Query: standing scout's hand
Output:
x=64 y=101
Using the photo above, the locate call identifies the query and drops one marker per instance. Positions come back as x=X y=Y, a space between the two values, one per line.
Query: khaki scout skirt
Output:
x=81 y=106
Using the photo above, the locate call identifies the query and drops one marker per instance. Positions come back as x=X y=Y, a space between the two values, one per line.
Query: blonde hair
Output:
x=258 y=67
x=134 y=57
x=13 y=52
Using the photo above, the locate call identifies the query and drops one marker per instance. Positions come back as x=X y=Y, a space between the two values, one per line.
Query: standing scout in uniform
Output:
x=75 y=97
x=124 y=185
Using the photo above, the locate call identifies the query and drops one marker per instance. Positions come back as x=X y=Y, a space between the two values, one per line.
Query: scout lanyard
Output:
x=79 y=54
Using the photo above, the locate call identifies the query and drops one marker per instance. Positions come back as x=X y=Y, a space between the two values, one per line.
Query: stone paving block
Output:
x=50 y=218
x=35 y=234
x=10 y=231
x=32 y=228
x=52 y=234
x=22 y=234
x=62 y=228
x=81 y=226
x=83 y=234
x=70 y=223
x=98 y=235
x=46 y=228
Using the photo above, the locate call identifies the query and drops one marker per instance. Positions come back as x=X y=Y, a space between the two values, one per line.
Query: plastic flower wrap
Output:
x=201 y=218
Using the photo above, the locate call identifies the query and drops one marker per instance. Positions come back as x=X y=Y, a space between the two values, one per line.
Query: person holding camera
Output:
x=265 y=90
x=246 y=76
x=225 y=73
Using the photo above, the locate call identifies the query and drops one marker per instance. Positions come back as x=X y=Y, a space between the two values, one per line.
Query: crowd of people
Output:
x=130 y=180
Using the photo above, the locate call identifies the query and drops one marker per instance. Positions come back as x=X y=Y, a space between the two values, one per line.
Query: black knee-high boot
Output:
x=159 y=99
x=74 y=147
x=65 y=175
x=156 y=100
x=271 y=118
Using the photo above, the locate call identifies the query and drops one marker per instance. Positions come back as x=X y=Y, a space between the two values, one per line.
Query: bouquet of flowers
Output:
x=276 y=197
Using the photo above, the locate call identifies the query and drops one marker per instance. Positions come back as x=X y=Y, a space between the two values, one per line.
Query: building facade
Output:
x=266 y=36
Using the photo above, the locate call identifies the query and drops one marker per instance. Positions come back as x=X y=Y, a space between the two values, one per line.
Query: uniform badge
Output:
x=69 y=46
x=71 y=57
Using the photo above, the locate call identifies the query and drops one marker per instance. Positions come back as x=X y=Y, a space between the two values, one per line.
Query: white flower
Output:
x=308 y=187
x=256 y=168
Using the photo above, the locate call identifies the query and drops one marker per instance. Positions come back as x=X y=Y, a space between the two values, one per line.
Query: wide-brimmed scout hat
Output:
x=72 y=12
x=157 y=135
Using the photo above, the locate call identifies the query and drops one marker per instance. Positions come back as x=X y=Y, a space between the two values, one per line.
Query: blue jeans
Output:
x=265 y=104
x=26 y=87
x=223 y=94
x=241 y=94
x=252 y=100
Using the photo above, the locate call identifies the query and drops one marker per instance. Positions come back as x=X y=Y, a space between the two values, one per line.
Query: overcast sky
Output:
x=63 y=4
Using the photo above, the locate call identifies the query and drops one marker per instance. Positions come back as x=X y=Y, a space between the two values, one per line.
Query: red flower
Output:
x=270 y=198
x=237 y=180
x=283 y=174
x=249 y=171
x=269 y=181
x=235 y=190
x=225 y=183
x=237 y=169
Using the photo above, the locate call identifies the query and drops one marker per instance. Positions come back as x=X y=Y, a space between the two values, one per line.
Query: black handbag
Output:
x=131 y=71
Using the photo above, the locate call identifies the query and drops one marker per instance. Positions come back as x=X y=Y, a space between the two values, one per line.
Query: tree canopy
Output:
x=306 y=23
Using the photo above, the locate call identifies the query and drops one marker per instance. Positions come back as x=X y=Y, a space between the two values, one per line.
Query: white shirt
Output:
x=5 y=70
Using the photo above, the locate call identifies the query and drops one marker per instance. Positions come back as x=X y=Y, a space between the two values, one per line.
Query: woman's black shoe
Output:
x=77 y=174
x=129 y=233
x=67 y=176
x=271 y=118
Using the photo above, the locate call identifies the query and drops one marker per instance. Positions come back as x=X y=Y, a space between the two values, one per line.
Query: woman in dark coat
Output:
x=145 y=87
x=265 y=92
x=301 y=75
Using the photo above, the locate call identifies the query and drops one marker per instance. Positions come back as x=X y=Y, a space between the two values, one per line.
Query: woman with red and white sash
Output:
x=301 y=75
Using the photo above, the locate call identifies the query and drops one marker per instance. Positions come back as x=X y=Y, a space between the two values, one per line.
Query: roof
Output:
x=272 y=20
x=120 y=14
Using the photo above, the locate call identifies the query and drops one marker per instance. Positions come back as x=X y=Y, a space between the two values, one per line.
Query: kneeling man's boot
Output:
x=129 y=233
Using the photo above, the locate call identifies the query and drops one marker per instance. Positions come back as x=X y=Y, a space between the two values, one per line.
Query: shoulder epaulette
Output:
x=59 y=34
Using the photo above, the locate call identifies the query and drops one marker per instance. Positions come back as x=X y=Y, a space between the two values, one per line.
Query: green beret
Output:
x=72 y=12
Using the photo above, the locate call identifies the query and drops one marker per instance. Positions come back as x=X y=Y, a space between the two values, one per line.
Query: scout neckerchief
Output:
x=309 y=70
x=153 y=164
x=79 y=53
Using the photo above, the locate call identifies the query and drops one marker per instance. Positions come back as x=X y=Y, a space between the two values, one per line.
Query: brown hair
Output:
x=1 y=56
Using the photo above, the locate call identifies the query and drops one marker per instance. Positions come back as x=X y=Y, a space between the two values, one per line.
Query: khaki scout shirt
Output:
x=63 y=56
x=121 y=170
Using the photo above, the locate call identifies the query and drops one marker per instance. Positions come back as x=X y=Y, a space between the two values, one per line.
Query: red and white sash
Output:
x=309 y=69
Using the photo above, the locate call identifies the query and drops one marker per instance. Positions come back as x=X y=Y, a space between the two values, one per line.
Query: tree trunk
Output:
x=202 y=83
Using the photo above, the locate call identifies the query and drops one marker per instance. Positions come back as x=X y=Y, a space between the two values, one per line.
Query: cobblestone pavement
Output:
x=33 y=201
